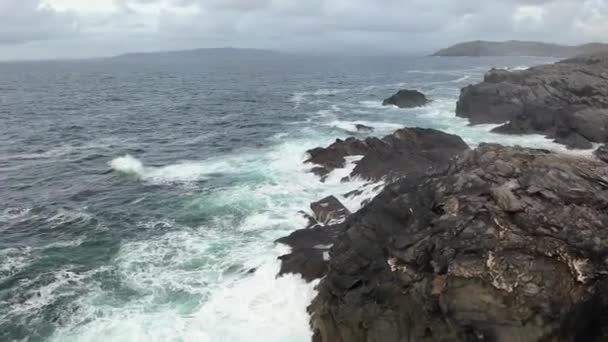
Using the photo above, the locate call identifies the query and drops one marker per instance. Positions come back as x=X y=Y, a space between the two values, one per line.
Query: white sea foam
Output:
x=351 y=126
x=440 y=115
x=12 y=214
x=128 y=164
x=13 y=260
x=462 y=79
x=183 y=172
x=300 y=97
x=374 y=104
x=217 y=282
x=519 y=67
x=297 y=98
x=54 y=286
x=66 y=216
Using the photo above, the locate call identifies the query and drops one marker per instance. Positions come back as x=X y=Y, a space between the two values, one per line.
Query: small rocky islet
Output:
x=488 y=244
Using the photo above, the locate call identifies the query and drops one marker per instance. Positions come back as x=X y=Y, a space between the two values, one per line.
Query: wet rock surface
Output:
x=408 y=151
x=363 y=128
x=406 y=98
x=310 y=246
x=602 y=153
x=567 y=101
x=506 y=244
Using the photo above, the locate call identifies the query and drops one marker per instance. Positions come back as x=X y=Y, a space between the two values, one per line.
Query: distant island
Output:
x=199 y=53
x=519 y=48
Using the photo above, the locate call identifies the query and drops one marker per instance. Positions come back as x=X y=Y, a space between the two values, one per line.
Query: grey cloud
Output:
x=23 y=21
x=333 y=26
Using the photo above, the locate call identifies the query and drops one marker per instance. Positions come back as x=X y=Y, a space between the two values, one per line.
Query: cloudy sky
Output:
x=40 y=29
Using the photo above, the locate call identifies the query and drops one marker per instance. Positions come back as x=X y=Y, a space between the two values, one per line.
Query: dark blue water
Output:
x=138 y=197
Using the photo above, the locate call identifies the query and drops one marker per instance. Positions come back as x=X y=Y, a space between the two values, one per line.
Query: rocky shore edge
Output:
x=488 y=244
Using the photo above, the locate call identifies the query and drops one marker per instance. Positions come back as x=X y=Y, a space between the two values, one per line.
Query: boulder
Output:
x=557 y=100
x=602 y=153
x=406 y=98
x=505 y=244
x=364 y=128
x=329 y=210
x=408 y=151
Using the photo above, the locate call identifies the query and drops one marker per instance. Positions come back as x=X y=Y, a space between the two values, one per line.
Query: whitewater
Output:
x=142 y=202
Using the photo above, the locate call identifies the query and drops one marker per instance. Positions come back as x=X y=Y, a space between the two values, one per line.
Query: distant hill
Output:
x=519 y=48
x=200 y=53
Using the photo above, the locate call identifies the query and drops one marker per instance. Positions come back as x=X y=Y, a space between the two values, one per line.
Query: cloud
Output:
x=80 y=28
x=24 y=21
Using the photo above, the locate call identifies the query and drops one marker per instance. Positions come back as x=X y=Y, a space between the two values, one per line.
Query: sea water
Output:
x=140 y=200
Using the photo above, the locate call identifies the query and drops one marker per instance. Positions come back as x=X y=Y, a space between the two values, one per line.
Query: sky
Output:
x=48 y=29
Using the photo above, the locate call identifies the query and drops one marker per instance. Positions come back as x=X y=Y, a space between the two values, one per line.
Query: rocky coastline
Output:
x=488 y=244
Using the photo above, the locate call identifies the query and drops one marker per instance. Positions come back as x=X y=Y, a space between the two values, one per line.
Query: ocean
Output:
x=140 y=199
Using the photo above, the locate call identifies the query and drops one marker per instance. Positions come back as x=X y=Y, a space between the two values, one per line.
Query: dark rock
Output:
x=567 y=101
x=574 y=141
x=310 y=246
x=364 y=128
x=506 y=244
x=408 y=151
x=329 y=210
x=406 y=98
x=309 y=263
x=602 y=153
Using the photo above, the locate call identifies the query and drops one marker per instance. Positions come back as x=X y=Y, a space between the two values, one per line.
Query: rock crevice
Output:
x=567 y=101
x=505 y=244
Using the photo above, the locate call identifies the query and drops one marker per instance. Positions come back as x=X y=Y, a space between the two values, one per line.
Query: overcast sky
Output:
x=40 y=29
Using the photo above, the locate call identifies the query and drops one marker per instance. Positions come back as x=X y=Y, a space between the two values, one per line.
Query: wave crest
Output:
x=128 y=164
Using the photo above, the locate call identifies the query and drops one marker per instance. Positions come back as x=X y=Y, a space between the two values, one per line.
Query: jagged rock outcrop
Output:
x=364 y=128
x=567 y=101
x=406 y=98
x=310 y=246
x=408 y=151
x=601 y=153
x=507 y=244
x=329 y=210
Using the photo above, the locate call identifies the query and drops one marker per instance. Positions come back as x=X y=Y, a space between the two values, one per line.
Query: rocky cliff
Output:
x=495 y=244
x=408 y=151
x=567 y=101
x=507 y=244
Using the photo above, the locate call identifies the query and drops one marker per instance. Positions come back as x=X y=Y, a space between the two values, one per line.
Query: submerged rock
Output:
x=364 y=128
x=408 y=151
x=406 y=98
x=602 y=153
x=567 y=101
x=507 y=244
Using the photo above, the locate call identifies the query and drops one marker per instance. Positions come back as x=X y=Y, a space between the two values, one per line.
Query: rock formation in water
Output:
x=407 y=151
x=363 y=128
x=507 y=244
x=567 y=101
x=406 y=98
x=601 y=153
x=518 y=48
x=310 y=247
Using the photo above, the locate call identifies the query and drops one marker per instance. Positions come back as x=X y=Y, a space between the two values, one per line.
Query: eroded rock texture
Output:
x=408 y=151
x=406 y=98
x=567 y=101
x=507 y=244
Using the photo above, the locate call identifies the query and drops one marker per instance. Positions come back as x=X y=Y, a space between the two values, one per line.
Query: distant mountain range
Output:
x=200 y=53
x=519 y=48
